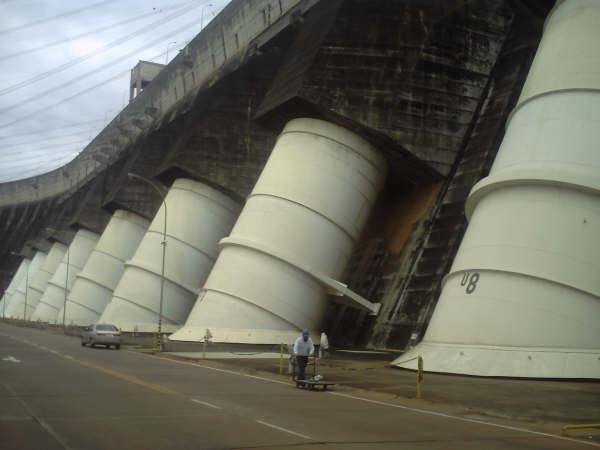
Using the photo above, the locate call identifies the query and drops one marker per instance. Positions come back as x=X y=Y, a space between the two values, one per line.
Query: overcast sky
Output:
x=96 y=43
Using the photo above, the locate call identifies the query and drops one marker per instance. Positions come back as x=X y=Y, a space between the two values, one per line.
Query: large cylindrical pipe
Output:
x=40 y=280
x=18 y=308
x=302 y=219
x=62 y=281
x=523 y=296
x=197 y=217
x=12 y=286
x=94 y=285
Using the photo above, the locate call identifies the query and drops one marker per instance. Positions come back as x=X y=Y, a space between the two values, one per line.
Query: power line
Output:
x=58 y=16
x=108 y=80
x=85 y=75
x=53 y=164
x=88 y=33
x=64 y=127
x=46 y=108
x=48 y=147
x=48 y=138
x=146 y=28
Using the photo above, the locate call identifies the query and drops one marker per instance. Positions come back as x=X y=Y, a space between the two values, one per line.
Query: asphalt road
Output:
x=55 y=394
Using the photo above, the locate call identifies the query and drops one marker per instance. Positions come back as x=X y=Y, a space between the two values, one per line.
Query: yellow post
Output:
x=281 y=359
x=156 y=341
x=204 y=349
x=419 y=375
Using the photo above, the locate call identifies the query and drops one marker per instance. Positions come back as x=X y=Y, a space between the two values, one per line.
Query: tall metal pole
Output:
x=167 y=56
x=65 y=301
x=164 y=254
x=202 y=15
x=26 y=291
x=5 y=299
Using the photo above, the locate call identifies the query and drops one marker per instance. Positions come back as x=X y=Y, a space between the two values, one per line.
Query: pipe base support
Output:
x=517 y=362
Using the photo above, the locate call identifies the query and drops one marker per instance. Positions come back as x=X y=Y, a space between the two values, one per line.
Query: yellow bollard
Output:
x=419 y=375
x=156 y=342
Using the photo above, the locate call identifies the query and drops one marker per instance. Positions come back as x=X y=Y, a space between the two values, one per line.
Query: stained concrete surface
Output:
x=64 y=396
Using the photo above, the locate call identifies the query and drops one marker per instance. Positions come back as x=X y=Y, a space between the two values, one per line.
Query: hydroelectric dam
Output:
x=405 y=175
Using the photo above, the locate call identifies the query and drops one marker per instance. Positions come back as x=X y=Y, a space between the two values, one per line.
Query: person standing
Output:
x=303 y=348
x=323 y=346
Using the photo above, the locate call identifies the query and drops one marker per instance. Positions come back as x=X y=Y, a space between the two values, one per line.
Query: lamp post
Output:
x=167 y=56
x=52 y=230
x=26 y=291
x=65 y=300
x=202 y=15
x=164 y=252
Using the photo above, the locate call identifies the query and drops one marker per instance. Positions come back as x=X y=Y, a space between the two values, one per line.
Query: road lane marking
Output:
x=11 y=359
x=58 y=438
x=105 y=370
x=202 y=366
x=123 y=376
x=377 y=402
x=407 y=408
x=285 y=430
x=465 y=419
x=210 y=405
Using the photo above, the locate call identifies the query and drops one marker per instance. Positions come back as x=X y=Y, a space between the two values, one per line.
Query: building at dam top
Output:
x=318 y=161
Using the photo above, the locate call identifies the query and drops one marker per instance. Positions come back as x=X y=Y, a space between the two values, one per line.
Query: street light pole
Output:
x=26 y=286
x=53 y=230
x=167 y=57
x=26 y=291
x=202 y=15
x=65 y=301
x=164 y=253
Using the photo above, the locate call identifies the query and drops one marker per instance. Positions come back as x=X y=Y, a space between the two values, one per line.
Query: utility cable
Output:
x=88 y=33
x=47 y=138
x=85 y=75
x=64 y=127
x=53 y=105
x=146 y=28
x=35 y=170
x=48 y=147
x=58 y=16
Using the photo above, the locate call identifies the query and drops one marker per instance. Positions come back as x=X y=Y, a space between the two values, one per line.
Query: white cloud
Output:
x=85 y=46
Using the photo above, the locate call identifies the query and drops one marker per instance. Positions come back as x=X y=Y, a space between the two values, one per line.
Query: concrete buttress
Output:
x=94 y=285
x=19 y=307
x=522 y=298
x=299 y=225
x=62 y=281
x=43 y=275
x=14 y=282
x=197 y=217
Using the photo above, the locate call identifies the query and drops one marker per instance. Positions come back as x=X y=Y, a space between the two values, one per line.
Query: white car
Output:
x=101 y=334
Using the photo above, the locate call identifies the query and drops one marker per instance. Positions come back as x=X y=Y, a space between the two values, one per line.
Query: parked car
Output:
x=101 y=334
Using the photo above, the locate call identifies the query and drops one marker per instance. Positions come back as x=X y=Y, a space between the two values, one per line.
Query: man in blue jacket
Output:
x=303 y=348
